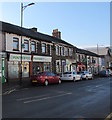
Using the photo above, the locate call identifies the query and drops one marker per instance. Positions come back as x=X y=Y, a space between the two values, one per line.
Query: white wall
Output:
x=9 y=42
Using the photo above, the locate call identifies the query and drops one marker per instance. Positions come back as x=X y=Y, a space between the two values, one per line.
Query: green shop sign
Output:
x=3 y=70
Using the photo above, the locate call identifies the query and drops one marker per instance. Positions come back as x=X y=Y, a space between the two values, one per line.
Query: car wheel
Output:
x=86 y=77
x=74 y=79
x=46 y=83
x=59 y=81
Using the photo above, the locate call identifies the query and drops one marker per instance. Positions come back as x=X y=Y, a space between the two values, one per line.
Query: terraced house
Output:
x=40 y=52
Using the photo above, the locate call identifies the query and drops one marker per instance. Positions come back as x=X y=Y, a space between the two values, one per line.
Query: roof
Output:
x=99 y=50
x=10 y=28
x=86 y=52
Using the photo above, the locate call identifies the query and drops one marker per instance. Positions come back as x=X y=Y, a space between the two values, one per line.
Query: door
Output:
x=49 y=77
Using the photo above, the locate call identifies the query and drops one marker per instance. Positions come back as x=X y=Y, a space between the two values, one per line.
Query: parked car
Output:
x=73 y=76
x=86 y=75
x=104 y=73
x=110 y=72
x=45 y=78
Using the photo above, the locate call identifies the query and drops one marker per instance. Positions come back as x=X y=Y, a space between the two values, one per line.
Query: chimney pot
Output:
x=56 y=33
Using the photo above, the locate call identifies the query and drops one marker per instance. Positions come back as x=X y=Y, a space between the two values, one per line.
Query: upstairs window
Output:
x=66 y=51
x=26 y=45
x=43 y=48
x=15 y=43
x=33 y=46
x=57 y=50
x=70 y=52
x=48 y=49
x=62 y=51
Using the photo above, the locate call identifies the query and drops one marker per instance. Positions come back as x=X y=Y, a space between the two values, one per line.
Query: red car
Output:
x=45 y=78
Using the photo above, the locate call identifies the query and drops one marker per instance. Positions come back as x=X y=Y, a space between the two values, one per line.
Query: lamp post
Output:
x=22 y=9
x=98 y=57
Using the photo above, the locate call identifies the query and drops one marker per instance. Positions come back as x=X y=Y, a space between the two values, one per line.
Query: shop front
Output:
x=40 y=63
x=81 y=67
x=70 y=65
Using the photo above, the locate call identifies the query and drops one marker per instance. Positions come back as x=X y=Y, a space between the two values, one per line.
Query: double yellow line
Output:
x=109 y=117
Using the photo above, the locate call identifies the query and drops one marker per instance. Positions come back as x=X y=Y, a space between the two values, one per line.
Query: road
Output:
x=81 y=99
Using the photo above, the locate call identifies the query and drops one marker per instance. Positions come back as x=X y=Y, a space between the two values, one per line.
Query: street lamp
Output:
x=22 y=9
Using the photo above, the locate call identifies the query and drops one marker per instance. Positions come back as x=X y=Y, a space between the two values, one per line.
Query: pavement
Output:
x=13 y=85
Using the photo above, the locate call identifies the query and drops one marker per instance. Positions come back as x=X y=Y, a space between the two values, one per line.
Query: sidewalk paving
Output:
x=12 y=85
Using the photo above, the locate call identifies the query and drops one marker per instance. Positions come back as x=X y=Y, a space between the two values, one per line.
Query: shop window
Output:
x=33 y=46
x=46 y=67
x=26 y=45
x=15 y=43
x=43 y=48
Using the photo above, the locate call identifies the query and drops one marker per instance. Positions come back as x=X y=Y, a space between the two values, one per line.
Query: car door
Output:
x=49 y=77
x=56 y=78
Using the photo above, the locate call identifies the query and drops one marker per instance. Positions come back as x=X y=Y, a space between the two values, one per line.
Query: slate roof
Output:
x=10 y=28
x=86 y=52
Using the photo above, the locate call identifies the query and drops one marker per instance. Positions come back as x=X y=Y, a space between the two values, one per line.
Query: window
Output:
x=48 y=49
x=43 y=48
x=62 y=51
x=15 y=43
x=57 y=50
x=33 y=46
x=66 y=51
x=70 y=51
x=26 y=45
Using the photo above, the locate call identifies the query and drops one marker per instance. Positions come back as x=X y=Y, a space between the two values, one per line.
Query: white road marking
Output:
x=22 y=99
x=8 y=92
x=45 y=98
x=109 y=117
x=99 y=85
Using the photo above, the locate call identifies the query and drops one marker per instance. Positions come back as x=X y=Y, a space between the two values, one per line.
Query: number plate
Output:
x=34 y=80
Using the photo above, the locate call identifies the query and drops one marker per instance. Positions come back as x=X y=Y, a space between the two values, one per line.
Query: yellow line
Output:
x=109 y=117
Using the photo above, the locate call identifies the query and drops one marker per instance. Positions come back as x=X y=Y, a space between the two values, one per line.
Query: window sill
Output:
x=15 y=50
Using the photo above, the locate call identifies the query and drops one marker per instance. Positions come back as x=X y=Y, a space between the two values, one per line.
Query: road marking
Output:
x=21 y=99
x=109 y=117
x=99 y=85
x=8 y=92
x=46 y=98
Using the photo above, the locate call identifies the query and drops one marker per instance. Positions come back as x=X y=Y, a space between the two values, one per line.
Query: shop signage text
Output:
x=27 y=58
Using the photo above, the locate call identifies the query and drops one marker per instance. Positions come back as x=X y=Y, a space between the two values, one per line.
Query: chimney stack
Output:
x=56 y=33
